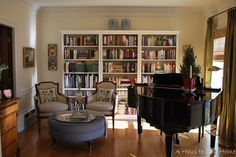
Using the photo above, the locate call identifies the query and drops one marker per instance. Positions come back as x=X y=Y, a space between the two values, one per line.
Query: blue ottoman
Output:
x=76 y=131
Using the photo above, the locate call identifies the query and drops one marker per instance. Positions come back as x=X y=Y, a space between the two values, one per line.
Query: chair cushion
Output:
x=52 y=107
x=100 y=106
x=47 y=95
x=104 y=94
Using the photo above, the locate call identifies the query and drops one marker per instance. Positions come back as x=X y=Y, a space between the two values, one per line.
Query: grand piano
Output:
x=167 y=106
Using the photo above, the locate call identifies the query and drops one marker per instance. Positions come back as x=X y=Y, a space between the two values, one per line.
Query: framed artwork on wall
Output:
x=52 y=56
x=28 y=57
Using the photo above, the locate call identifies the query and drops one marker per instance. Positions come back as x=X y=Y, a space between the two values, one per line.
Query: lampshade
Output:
x=213 y=68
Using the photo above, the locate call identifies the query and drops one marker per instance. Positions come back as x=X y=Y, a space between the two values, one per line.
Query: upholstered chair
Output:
x=48 y=100
x=104 y=100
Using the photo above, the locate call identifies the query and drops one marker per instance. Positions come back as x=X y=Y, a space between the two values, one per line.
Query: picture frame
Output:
x=52 y=56
x=28 y=57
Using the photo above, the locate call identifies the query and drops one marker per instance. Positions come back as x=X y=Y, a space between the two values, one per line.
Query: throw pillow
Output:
x=104 y=94
x=47 y=95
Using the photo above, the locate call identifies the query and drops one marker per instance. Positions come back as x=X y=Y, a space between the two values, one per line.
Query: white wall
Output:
x=23 y=20
x=52 y=20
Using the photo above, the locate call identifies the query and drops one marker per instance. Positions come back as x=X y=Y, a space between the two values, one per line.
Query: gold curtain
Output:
x=226 y=127
x=208 y=51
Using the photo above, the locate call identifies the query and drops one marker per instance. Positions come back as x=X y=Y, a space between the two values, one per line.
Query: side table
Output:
x=77 y=103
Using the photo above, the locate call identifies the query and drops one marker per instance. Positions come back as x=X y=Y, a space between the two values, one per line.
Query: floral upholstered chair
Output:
x=48 y=100
x=104 y=100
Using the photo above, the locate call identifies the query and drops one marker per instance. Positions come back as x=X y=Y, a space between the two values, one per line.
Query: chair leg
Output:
x=113 y=121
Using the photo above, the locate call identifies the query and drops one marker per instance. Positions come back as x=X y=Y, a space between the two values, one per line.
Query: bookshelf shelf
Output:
x=119 y=73
x=121 y=56
x=158 y=60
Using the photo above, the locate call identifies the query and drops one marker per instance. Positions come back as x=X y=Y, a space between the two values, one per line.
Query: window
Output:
x=218 y=59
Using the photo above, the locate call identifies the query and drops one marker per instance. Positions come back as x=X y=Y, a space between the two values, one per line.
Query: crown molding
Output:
x=116 y=11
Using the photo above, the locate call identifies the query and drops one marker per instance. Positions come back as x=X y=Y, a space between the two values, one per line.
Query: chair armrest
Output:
x=91 y=98
x=62 y=98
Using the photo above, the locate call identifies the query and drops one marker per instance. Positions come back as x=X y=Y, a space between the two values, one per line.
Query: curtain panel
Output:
x=226 y=127
x=208 y=51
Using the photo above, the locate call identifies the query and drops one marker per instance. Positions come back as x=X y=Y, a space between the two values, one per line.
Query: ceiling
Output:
x=146 y=3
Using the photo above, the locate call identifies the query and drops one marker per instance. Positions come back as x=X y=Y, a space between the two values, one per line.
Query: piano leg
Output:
x=177 y=139
x=140 y=129
x=213 y=133
x=169 y=145
x=199 y=134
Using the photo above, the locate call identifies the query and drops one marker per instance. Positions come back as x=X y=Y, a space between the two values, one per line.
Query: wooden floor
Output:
x=121 y=142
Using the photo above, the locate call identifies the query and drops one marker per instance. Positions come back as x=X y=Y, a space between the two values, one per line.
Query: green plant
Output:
x=79 y=87
x=2 y=68
x=189 y=59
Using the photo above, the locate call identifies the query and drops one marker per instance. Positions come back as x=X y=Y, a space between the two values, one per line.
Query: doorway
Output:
x=6 y=57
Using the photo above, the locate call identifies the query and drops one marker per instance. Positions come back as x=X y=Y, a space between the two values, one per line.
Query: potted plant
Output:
x=2 y=68
x=189 y=68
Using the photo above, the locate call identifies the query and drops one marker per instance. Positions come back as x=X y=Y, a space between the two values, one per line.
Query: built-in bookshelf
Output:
x=158 y=55
x=81 y=60
x=120 y=56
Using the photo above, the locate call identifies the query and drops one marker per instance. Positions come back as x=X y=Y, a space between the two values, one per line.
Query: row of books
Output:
x=159 y=54
x=121 y=82
x=80 y=54
x=159 y=40
x=81 y=67
x=156 y=67
x=80 y=40
x=120 y=40
x=115 y=67
x=82 y=80
x=147 y=79
x=119 y=54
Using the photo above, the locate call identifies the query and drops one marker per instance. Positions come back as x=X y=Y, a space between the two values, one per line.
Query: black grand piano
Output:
x=170 y=108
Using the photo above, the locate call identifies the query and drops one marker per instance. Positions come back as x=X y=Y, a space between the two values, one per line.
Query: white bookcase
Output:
x=90 y=56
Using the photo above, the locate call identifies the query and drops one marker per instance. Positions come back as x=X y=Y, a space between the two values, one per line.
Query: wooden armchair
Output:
x=48 y=100
x=104 y=100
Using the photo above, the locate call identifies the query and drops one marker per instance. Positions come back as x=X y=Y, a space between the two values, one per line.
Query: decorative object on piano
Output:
x=199 y=86
x=7 y=93
x=189 y=68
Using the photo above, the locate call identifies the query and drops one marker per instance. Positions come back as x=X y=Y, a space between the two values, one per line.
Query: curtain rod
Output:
x=222 y=12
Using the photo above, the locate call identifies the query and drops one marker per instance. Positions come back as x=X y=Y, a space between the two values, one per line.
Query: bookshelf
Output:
x=121 y=56
x=81 y=60
x=158 y=54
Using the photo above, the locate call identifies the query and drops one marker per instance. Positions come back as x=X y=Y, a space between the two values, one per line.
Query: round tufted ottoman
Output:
x=77 y=131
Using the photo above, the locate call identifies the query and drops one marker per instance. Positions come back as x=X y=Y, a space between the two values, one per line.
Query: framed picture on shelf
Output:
x=52 y=56
x=28 y=57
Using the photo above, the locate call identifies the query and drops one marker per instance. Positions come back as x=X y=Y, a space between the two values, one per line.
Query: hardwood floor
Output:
x=121 y=142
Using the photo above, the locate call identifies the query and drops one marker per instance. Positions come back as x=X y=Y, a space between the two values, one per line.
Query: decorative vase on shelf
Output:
x=113 y=24
x=125 y=24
